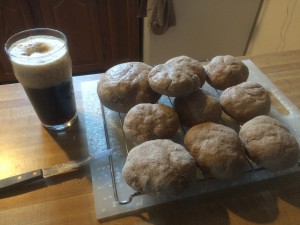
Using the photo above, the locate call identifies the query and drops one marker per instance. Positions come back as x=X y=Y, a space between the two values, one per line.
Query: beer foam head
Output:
x=40 y=61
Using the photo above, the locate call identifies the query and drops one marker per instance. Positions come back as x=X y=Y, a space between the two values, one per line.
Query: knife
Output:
x=38 y=174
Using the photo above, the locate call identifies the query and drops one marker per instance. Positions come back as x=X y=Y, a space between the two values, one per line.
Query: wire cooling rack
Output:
x=113 y=197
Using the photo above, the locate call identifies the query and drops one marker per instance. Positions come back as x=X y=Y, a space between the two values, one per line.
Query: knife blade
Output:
x=58 y=169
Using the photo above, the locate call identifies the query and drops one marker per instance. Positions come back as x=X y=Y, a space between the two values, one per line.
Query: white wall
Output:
x=277 y=27
x=204 y=29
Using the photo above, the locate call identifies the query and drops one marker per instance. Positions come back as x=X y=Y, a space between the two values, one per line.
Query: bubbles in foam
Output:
x=37 y=49
x=40 y=61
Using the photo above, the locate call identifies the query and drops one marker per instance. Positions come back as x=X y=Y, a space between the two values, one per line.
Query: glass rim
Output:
x=7 y=44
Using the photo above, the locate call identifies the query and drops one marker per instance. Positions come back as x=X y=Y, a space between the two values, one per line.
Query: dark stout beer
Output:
x=42 y=64
x=53 y=105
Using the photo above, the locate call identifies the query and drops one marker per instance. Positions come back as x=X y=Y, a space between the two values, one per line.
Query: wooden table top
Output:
x=68 y=199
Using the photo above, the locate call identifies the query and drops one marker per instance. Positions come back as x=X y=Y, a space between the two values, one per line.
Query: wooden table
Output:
x=68 y=199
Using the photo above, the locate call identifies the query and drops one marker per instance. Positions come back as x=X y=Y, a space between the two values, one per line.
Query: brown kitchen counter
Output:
x=68 y=199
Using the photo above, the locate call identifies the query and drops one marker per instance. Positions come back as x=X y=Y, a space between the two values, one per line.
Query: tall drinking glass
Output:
x=41 y=63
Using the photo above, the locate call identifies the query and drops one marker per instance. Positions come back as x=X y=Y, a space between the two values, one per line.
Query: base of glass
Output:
x=61 y=126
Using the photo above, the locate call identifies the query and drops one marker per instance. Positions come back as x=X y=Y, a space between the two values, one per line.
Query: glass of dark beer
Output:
x=41 y=63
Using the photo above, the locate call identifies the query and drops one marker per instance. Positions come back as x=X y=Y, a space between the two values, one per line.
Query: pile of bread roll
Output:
x=159 y=166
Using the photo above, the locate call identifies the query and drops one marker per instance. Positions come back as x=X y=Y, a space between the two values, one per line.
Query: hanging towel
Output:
x=160 y=13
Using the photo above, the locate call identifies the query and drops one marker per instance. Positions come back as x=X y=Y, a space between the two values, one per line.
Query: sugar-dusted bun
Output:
x=269 y=143
x=226 y=71
x=159 y=167
x=178 y=77
x=198 y=107
x=126 y=85
x=217 y=150
x=147 y=121
x=246 y=101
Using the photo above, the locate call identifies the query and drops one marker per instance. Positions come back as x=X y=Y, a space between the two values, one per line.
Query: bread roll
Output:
x=147 y=121
x=245 y=101
x=269 y=143
x=126 y=85
x=226 y=71
x=178 y=77
x=217 y=150
x=198 y=107
x=191 y=64
x=159 y=168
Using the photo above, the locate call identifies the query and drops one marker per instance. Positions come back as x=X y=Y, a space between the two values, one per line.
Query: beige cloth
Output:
x=160 y=14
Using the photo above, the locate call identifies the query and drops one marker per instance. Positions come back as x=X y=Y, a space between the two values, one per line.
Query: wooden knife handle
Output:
x=21 y=179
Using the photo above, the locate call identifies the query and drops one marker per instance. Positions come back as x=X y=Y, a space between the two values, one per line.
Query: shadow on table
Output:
x=249 y=203
x=289 y=192
x=254 y=202
x=199 y=210
x=73 y=139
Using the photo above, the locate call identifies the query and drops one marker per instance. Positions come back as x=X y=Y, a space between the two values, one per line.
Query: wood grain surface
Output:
x=68 y=199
